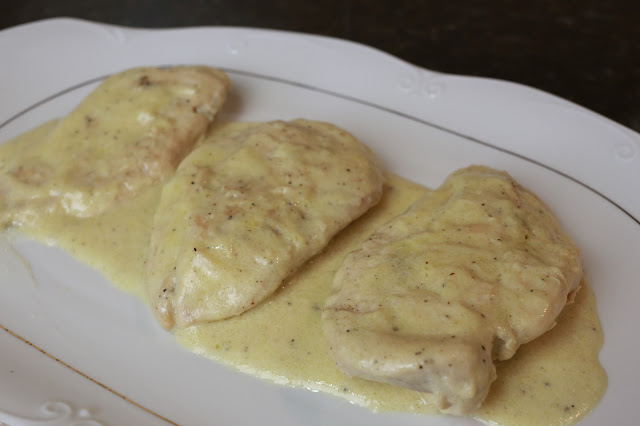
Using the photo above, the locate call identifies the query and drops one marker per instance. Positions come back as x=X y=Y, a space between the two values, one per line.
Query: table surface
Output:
x=585 y=51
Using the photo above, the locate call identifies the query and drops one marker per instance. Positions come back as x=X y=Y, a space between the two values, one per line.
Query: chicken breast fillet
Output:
x=465 y=276
x=247 y=209
x=131 y=132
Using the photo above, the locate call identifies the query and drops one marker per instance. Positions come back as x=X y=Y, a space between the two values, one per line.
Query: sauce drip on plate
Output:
x=556 y=379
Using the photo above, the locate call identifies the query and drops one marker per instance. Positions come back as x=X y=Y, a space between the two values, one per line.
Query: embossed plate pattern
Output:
x=74 y=350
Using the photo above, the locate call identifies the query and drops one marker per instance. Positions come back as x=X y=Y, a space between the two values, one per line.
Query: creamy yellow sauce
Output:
x=243 y=211
x=129 y=133
x=555 y=379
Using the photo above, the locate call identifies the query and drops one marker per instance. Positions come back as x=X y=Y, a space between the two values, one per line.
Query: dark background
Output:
x=582 y=50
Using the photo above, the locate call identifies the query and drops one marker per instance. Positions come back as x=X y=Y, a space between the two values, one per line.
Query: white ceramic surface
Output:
x=112 y=359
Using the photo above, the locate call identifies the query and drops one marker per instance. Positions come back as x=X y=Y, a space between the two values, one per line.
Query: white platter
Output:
x=106 y=360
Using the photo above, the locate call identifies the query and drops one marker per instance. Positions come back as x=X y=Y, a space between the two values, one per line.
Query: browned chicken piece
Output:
x=464 y=277
x=130 y=133
x=249 y=207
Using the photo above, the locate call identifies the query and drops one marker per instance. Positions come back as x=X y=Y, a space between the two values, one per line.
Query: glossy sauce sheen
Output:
x=555 y=379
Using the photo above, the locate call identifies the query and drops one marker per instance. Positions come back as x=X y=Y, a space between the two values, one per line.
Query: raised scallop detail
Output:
x=236 y=45
x=626 y=151
x=51 y=413
x=422 y=83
